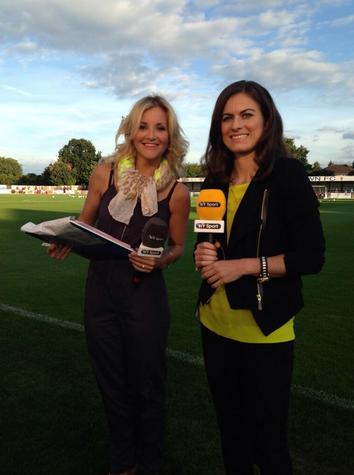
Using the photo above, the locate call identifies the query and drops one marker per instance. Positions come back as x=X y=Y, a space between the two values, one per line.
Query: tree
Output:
x=193 y=170
x=45 y=177
x=10 y=171
x=300 y=153
x=31 y=179
x=80 y=158
x=316 y=169
x=61 y=174
x=326 y=172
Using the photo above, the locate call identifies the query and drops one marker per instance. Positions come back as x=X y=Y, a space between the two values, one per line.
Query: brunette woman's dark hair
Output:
x=218 y=159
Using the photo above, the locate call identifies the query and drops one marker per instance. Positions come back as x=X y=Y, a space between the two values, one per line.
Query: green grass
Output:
x=51 y=418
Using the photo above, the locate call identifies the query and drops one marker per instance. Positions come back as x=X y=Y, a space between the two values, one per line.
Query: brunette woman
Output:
x=251 y=289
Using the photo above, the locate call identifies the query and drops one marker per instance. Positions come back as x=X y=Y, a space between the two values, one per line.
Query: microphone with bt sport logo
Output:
x=211 y=205
x=153 y=237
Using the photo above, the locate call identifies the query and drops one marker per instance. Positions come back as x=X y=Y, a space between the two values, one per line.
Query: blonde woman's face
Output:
x=152 y=139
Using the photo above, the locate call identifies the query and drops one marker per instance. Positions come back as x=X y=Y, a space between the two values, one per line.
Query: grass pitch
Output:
x=50 y=411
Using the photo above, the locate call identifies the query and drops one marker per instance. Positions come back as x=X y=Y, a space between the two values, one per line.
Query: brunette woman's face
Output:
x=152 y=138
x=242 y=125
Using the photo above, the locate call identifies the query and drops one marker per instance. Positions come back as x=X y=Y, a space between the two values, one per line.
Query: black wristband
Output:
x=264 y=275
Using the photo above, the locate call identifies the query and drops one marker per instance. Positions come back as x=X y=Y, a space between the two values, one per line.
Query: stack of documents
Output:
x=85 y=240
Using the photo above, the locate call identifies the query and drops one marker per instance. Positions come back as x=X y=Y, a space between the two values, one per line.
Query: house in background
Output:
x=340 y=170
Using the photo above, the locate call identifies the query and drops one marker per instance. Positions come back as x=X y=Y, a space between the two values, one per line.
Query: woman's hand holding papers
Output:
x=59 y=251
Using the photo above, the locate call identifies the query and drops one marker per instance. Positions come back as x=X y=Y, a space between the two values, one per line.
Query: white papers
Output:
x=85 y=240
x=101 y=235
x=60 y=230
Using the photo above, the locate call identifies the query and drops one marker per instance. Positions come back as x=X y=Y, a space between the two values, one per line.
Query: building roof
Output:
x=340 y=169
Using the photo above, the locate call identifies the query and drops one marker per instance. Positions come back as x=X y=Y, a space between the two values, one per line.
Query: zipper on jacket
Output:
x=264 y=208
x=259 y=296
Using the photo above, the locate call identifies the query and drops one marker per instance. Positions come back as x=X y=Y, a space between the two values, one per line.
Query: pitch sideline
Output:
x=196 y=360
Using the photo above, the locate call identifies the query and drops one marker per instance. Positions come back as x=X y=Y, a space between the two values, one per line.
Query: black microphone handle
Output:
x=210 y=237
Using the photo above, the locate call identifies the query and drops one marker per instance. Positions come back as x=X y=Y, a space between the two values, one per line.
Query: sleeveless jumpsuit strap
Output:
x=168 y=197
x=110 y=181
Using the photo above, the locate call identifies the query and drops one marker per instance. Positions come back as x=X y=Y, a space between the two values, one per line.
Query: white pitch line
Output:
x=330 y=399
x=21 y=312
x=322 y=396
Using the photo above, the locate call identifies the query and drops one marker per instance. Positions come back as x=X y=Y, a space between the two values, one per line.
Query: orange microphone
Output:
x=211 y=205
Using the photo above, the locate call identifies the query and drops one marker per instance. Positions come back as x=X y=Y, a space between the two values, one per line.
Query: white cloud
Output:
x=132 y=45
x=347 y=153
x=124 y=74
x=110 y=52
x=246 y=6
x=89 y=25
x=16 y=91
x=348 y=135
x=344 y=21
x=327 y=129
x=274 y=19
x=206 y=3
x=286 y=69
x=93 y=27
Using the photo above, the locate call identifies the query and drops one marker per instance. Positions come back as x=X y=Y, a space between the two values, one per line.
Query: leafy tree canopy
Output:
x=31 y=179
x=61 y=174
x=300 y=153
x=316 y=169
x=80 y=158
x=10 y=171
x=193 y=170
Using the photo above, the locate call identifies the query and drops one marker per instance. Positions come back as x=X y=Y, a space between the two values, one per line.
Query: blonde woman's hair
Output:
x=129 y=126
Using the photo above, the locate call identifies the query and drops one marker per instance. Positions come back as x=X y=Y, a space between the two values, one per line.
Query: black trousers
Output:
x=126 y=327
x=250 y=387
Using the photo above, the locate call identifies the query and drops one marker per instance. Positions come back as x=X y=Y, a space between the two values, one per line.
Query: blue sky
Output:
x=71 y=69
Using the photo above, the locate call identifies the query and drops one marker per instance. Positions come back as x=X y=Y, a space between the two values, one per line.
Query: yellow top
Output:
x=238 y=325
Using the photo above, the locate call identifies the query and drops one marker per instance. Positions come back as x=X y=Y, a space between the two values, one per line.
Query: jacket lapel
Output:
x=248 y=215
x=222 y=237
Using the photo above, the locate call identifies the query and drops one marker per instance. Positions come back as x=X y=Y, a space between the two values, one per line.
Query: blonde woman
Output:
x=127 y=322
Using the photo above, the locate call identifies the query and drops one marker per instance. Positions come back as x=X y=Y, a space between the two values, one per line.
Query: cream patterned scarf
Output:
x=132 y=185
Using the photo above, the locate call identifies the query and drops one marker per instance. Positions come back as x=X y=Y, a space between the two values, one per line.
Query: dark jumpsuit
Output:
x=126 y=328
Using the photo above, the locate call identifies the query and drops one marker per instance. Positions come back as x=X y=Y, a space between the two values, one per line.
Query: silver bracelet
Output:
x=264 y=275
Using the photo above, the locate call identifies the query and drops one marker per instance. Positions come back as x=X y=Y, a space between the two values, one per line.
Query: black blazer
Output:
x=292 y=228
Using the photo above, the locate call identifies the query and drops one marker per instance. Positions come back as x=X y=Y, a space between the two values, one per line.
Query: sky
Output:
x=73 y=68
